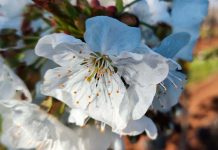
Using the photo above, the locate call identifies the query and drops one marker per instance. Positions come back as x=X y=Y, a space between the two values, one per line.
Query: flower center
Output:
x=99 y=65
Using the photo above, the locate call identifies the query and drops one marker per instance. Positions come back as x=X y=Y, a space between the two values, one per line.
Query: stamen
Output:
x=174 y=84
x=98 y=66
x=162 y=84
x=171 y=74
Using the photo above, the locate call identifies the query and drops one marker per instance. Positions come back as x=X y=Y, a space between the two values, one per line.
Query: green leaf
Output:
x=119 y=5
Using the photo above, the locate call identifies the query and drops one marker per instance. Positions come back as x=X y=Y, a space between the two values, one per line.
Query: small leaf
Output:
x=119 y=5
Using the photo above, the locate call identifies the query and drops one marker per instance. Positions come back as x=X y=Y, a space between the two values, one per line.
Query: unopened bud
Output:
x=129 y=19
x=111 y=10
x=163 y=30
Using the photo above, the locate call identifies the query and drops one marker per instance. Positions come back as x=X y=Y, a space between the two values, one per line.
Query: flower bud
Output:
x=129 y=19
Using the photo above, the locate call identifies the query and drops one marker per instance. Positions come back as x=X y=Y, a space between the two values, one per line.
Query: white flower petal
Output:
x=77 y=116
x=68 y=85
x=61 y=48
x=144 y=97
x=137 y=101
x=73 y=89
x=150 y=71
x=136 y=127
x=141 y=72
x=105 y=107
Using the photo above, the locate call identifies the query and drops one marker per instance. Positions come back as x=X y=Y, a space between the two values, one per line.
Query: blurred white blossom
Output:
x=11 y=13
x=25 y=126
x=11 y=86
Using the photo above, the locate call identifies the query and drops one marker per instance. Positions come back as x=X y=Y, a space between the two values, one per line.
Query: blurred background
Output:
x=197 y=118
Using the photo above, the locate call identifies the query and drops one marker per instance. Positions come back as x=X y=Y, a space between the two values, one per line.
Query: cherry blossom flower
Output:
x=103 y=78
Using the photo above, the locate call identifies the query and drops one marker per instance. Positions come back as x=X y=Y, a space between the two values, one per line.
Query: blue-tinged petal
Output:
x=168 y=96
x=187 y=16
x=172 y=44
x=110 y=36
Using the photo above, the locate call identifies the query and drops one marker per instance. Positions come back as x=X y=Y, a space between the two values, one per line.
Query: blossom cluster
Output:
x=74 y=73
